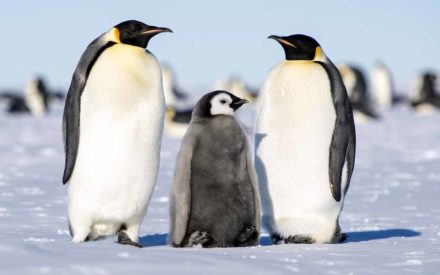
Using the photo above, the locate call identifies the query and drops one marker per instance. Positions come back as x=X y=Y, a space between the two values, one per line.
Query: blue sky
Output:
x=214 y=39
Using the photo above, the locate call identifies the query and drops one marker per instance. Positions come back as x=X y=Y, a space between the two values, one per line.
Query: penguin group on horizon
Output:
x=293 y=181
x=35 y=99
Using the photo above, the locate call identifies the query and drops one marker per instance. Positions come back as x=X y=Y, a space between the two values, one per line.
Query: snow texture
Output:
x=391 y=214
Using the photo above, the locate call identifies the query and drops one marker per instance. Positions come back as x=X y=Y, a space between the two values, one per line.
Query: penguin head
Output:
x=218 y=103
x=300 y=47
x=135 y=33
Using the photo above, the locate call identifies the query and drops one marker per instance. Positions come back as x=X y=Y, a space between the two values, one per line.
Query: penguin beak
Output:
x=152 y=30
x=237 y=104
x=281 y=40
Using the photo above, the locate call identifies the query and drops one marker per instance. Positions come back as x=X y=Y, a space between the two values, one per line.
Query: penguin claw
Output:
x=299 y=239
x=125 y=240
x=198 y=238
x=277 y=239
x=247 y=234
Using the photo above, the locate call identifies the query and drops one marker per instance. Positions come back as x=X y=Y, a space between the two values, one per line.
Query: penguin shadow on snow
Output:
x=364 y=236
x=352 y=237
x=154 y=240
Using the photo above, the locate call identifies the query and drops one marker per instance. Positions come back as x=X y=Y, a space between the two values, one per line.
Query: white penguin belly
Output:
x=296 y=123
x=121 y=121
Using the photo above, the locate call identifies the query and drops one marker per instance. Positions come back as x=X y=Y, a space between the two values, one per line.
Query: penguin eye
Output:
x=223 y=101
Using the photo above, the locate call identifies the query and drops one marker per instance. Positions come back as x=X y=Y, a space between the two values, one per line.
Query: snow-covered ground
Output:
x=391 y=215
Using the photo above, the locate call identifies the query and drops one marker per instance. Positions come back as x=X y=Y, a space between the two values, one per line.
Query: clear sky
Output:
x=213 y=39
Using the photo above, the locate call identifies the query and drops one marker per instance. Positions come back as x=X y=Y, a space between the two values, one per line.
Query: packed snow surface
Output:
x=391 y=214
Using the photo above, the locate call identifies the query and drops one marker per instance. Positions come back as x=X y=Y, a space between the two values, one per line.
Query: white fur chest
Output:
x=295 y=124
x=121 y=121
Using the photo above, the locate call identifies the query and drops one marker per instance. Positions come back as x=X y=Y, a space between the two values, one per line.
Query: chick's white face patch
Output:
x=220 y=105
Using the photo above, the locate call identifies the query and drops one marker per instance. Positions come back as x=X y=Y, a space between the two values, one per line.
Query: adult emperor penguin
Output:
x=305 y=145
x=214 y=198
x=35 y=99
x=358 y=92
x=383 y=90
x=112 y=129
x=424 y=97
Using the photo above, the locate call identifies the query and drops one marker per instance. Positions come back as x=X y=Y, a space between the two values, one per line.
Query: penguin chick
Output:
x=215 y=198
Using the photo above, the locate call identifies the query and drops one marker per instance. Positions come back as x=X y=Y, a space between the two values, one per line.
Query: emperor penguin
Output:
x=177 y=121
x=35 y=99
x=214 y=198
x=358 y=93
x=382 y=87
x=173 y=94
x=383 y=90
x=112 y=128
x=304 y=145
x=425 y=98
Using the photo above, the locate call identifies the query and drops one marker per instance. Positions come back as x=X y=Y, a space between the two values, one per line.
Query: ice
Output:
x=391 y=215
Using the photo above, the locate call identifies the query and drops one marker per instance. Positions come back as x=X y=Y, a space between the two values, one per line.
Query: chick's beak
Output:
x=237 y=104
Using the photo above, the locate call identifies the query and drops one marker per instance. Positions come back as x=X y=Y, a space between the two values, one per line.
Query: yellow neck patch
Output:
x=319 y=55
x=115 y=35
x=317 y=52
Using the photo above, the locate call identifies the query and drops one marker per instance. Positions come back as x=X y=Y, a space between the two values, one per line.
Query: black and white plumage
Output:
x=35 y=99
x=177 y=121
x=174 y=95
x=305 y=145
x=214 y=198
x=112 y=129
x=424 y=95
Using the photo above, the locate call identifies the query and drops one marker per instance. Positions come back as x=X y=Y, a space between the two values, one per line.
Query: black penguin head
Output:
x=136 y=33
x=218 y=103
x=299 y=47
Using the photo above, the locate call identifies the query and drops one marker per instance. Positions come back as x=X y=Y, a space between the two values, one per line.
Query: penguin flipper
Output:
x=181 y=189
x=71 y=115
x=343 y=143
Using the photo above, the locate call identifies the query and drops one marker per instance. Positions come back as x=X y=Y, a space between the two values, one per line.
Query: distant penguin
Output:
x=112 y=129
x=383 y=90
x=177 y=121
x=35 y=99
x=173 y=95
x=425 y=98
x=382 y=87
x=236 y=85
x=305 y=145
x=214 y=198
x=357 y=90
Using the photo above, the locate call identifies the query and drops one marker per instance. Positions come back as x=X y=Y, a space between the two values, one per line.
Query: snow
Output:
x=391 y=214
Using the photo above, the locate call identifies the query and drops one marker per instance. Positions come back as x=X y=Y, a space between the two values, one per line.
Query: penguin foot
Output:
x=299 y=239
x=247 y=237
x=124 y=239
x=198 y=238
x=277 y=239
x=338 y=237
